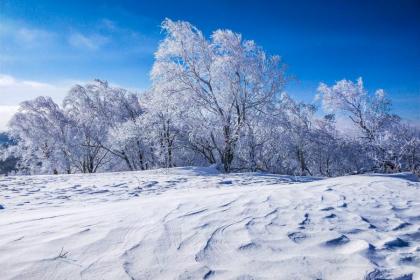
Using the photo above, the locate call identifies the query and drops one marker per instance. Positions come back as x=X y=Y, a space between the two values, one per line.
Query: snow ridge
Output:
x=186 y=224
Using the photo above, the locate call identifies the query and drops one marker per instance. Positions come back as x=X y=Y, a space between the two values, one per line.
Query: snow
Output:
x=194 y=223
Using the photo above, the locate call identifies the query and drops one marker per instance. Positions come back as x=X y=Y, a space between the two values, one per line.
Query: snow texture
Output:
x=194 y=223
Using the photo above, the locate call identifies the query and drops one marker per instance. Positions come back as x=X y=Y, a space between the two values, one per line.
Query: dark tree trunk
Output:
x=228 y=152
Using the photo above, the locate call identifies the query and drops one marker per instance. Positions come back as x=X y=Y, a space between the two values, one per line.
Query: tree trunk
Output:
x=302 y=163
x=228 y=153
x=127 y=161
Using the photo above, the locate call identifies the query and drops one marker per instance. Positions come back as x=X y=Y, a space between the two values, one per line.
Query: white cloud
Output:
x=6 y=80
x=108 y=24
x=92 y=42
x=20 y=33
x=13 y=90
x=37 y=85
x=32 y=35
x=6 y=113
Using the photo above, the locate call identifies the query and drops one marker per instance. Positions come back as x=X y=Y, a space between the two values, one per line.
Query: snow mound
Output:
x=195 y=223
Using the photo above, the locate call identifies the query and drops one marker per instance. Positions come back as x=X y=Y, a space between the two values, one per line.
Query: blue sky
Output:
x=46 y=46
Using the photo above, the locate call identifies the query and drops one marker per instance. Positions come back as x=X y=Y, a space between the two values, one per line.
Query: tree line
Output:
x=217 y=100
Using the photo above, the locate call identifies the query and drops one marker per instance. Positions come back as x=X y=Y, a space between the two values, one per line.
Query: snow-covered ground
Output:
x=193 y=223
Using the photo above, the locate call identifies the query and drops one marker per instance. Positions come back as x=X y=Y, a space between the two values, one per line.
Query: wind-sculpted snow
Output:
x=35 y=191
x=189 y=223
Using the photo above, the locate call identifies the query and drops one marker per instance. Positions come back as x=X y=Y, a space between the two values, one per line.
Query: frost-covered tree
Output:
x=44 y=135
x=224 y=78
x=403 y=147
x=369 y=113
x=82 y=136
x=85 y=106
x=299 y=121
x=103 y=114
x=162 y=122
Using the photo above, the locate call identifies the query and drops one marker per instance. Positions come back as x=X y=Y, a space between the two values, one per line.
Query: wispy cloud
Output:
x=33 y=35
x=108 y=24
x=23 y=42
x=19 y=33
x=91 y=42
x=109 y=33
x=6 y=113
x=13 y=90
x=6 y=80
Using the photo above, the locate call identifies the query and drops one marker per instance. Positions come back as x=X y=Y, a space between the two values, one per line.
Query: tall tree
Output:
x=225 y=78
x=369 y=113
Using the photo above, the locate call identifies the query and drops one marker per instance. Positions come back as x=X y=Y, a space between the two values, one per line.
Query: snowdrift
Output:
x=194 y=223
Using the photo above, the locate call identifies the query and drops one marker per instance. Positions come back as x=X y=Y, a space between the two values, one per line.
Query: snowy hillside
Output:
x=194 y=223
